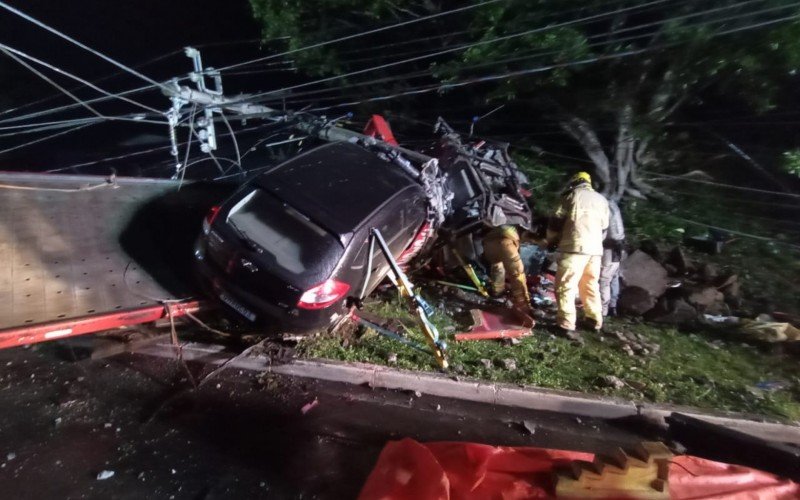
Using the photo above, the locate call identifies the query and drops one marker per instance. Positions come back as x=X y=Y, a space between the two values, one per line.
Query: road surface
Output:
x=67 y=418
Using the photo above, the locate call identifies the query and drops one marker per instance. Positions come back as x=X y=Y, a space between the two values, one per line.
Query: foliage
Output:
x=791 y=162
x=609 y=81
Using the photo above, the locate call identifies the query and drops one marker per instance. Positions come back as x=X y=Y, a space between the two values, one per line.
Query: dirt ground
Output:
x=66 y=419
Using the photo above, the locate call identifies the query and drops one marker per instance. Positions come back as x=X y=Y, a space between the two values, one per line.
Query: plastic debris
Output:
x=529 y=426
x=309 y=406
x=105 y=474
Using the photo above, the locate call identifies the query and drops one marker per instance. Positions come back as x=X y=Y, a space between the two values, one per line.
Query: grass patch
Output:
x=689 y=369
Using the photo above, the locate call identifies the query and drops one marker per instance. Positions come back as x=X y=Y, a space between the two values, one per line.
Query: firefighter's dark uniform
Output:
x=501 y=250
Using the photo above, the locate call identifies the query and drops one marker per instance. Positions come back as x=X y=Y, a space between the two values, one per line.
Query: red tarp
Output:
x=437 y=471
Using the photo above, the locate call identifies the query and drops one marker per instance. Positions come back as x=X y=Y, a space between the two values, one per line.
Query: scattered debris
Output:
x=309 y=406
x=497 y=325
x=105 y=474
x=613 y=381
x=417 y=394
x=510 y=364
x=529 y=426
x=11 y=456
x=769 y=331
x=392 y=358
x=487 y=364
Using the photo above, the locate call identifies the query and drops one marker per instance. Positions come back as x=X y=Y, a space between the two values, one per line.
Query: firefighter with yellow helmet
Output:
x=578 y=228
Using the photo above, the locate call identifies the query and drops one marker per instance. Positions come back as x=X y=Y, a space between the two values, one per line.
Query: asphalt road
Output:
x=64 y=420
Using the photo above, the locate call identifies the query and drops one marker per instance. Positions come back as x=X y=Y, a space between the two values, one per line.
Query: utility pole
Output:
x=211 y=100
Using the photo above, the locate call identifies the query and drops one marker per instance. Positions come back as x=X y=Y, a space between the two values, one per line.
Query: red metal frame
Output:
x=56 y=330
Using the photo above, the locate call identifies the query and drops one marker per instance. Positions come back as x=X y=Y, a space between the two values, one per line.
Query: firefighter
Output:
x=578 y=228
x=613 y=249
x=501 y=251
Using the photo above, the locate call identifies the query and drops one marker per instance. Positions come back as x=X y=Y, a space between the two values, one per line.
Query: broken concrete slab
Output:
x=641 y=270
x=635 y=301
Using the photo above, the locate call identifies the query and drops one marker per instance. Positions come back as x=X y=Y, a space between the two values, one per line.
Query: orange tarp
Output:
x=411 y=470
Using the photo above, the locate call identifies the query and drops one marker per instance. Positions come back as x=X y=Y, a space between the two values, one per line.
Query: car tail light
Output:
x=212 y=214
x=323 y=295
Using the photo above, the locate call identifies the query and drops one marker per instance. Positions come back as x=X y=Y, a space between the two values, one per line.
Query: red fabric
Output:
x=441 y=471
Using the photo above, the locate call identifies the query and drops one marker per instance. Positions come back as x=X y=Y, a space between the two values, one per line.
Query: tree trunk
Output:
x=581 y=131
x=624 y=159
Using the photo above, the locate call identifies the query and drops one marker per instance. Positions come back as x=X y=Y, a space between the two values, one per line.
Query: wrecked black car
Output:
x=291 y=246
x=288 y=248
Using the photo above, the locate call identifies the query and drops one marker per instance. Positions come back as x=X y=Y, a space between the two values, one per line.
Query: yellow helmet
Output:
x=581 y=177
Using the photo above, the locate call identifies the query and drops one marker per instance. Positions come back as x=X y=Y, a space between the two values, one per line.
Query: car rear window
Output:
x=294 y=243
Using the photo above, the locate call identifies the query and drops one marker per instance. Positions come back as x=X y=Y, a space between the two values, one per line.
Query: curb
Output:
x=531 y=398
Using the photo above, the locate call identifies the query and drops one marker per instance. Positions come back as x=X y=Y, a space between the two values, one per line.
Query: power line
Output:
x=726 y=186
x=139 y=153
x=70 y=75
x=73 y=106
x=363 y=33
x=593 y=17
x=542 y=54
x=446 y=86
x=55 y=126
x=41 y=139
x=79 y=44
x=52 y=82
x=79 y=87
x=72 y=96
x=141 y=65
x=733 y=231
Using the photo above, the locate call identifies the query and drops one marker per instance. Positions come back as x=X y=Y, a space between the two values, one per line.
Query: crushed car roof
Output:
x=338 y=185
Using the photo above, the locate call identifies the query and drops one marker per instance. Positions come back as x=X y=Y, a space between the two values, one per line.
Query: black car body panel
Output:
x=302 y=223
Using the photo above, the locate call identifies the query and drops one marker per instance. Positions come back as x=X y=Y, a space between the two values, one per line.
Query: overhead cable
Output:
x=53 y=126
x=73 y=106
x=42 y=139
x=458 y=48
x=79 y=44
x=73 y=96
x=70 y=75
x=483 y=79
x=363 y=33
x=429 y=72
x=138 y=153
x=725 y=186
